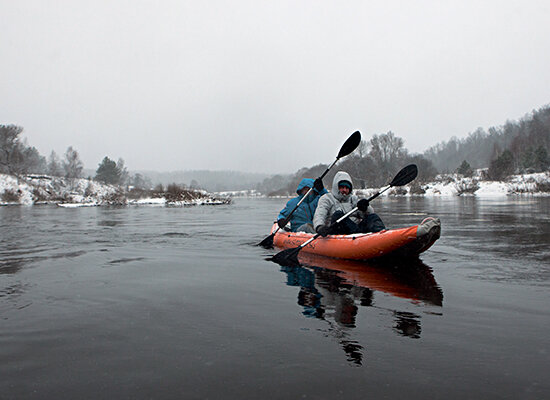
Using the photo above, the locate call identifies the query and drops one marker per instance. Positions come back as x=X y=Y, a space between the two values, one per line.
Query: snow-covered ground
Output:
x=240 y=193
x=537 y=184
x=33 y=189
x=456 y=185
x=69 y=193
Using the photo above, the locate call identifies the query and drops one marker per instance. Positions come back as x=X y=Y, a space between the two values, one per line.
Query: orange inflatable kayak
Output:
x=403 y=242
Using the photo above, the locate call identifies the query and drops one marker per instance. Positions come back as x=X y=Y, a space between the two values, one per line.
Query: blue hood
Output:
x=306 y=182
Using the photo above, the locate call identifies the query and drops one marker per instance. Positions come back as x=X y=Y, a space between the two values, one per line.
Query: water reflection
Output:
x=10 y=267
x=24 y=257
x=407 y=324
x=333 y=290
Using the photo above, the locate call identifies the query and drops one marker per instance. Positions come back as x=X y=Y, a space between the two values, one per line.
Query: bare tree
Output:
x=72 y=164
x=387 y=152
x=386 y=148
x=123 y=172
x=54 y=165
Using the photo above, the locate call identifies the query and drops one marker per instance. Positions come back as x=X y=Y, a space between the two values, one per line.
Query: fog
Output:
x=261 y=86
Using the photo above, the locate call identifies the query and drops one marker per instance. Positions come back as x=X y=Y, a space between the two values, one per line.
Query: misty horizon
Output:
x=264 y=87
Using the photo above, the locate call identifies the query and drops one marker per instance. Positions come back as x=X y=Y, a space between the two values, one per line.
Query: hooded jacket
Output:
x=334 y=201
x=304 y=213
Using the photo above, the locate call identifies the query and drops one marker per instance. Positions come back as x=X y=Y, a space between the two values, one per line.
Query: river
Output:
x=179 y=303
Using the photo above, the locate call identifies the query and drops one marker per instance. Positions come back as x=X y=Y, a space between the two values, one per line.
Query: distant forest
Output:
x=372 y=164
x=516 y=147
x=527 y=141
x=213 y=181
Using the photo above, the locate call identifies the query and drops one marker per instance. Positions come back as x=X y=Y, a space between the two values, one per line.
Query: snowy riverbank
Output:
x=455 y=185
x=537 y=184
x=70 y=193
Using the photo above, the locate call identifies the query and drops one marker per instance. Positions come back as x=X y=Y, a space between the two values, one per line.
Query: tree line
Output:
x=17 y=157
x=516 y=147
x=373 y=164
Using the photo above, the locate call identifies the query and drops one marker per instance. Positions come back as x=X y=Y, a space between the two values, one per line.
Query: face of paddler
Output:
x=344 y=188
x=304 y=190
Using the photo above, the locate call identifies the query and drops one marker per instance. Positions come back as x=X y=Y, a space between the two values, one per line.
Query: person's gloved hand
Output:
x=281 y=222
x=363 y=205
x=323 y=230
x=318 y=185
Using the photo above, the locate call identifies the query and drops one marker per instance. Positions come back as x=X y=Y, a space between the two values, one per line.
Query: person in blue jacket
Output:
x=302 y=219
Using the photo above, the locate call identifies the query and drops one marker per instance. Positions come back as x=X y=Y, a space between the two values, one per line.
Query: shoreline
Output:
x=72 y=193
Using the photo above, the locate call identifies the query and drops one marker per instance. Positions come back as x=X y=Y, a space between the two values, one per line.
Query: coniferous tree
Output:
x=108 y=172
x=465 y=169
x=139 y=181
x=542 y=161
x=10 y=148
x=502 y=166
x=31 y=160
x=16 y=156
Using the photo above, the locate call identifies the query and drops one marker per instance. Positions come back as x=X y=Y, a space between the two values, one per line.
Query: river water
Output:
x=178 y=303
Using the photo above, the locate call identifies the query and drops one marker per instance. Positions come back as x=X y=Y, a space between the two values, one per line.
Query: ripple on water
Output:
x=126 y=260
x=175 y=234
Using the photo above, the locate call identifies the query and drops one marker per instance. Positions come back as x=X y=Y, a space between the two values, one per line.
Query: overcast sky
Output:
x=264 y=86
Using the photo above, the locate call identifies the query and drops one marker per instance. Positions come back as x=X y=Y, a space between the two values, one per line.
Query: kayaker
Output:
x=302 y=219
x=338 y=202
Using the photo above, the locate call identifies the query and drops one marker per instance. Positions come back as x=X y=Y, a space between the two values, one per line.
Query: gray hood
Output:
x=340 y=176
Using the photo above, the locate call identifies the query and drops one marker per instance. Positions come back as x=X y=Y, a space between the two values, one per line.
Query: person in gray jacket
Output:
x=338 y=202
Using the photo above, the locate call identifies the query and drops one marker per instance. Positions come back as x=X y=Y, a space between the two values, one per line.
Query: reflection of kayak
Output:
x=409 y=279
x=403 y=242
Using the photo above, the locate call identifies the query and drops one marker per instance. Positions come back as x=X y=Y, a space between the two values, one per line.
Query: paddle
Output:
x=349 y=145
x=403 y=177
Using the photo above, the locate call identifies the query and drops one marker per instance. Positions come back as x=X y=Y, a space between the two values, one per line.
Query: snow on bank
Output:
x=14 y=192
x=537 y=184
x=36 y=189
x=240 y=193
x=75 y=205
x=149 y=201
x=456 y=185
x=71 y=193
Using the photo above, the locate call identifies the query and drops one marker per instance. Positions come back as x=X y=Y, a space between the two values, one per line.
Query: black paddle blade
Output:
x=350 y=144
x=288 y=256
x=405 y=176
x=267 y=242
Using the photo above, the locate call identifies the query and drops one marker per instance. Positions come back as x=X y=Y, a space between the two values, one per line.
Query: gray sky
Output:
x=264 y=86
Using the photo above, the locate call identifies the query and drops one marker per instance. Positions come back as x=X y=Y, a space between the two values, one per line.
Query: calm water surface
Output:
x=178 y=303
